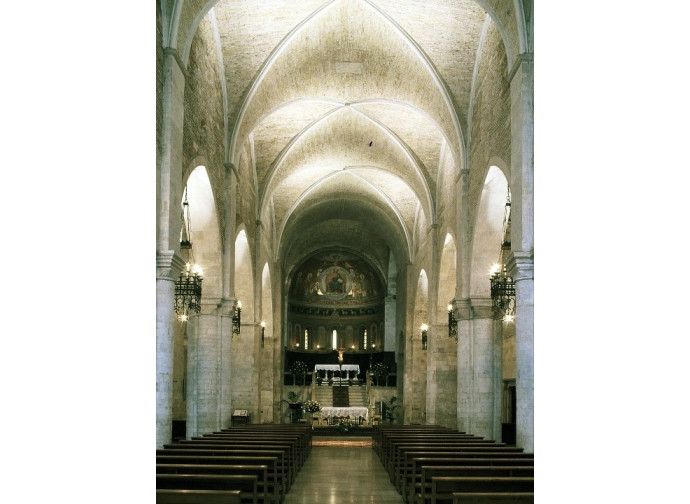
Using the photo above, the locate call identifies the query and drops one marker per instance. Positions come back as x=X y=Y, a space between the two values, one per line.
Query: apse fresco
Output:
x=335 y=276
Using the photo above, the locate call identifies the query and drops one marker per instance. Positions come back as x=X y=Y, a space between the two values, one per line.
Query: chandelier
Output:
x=188 y=284
x=502 y=284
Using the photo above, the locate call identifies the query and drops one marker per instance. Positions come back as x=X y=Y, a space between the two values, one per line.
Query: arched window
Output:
x=335 y=339
x=306 y=339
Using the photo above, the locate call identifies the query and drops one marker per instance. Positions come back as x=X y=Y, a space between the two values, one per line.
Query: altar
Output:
x=354 y=412
x=337 y=367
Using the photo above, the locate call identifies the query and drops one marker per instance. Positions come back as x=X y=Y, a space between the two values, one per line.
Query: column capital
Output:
x=168 y=265
x=473 y=308
x=520 y=265
x=519 y=62
x=230 y=169
x=482 y=308
x=170 y=51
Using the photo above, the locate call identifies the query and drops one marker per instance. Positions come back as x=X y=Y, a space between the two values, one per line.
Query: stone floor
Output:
x=348 y=471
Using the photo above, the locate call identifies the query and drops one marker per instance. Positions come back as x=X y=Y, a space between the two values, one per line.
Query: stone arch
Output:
x=487 y=239
x=447 y=273
x=267 y=301
x=206 y=238
x=244 y=382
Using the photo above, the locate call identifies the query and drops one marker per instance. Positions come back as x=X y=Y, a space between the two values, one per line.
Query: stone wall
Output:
x=204 y=138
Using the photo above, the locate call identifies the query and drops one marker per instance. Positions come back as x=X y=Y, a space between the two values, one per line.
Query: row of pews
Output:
x=439 y=465
x=249 y=464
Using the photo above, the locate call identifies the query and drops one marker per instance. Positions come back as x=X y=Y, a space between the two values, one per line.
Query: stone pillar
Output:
x=464 y=366
x=521 y=268
x=208 y=372
x=521 y=260
x=477 y=370
x=168 y=222
x=497 y=382
x=229 y=235
x=168 y=267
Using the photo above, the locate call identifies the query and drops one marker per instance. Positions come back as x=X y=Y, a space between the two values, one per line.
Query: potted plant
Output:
x=390 y=409
x=294 y=405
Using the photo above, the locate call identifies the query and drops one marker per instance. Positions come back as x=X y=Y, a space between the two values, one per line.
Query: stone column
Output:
x=208 y=371
x=477 y=371
x=497 y=383
x=521 y=268
x=168 y=267
x=521 y=260
x=464 y=366
x=168 y=222
x=483 y=360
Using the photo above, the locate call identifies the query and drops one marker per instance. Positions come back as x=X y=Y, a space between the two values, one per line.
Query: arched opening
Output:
x=244 y=380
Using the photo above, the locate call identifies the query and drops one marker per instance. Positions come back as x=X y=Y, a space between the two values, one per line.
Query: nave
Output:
x=277 y=464
x=343 y=474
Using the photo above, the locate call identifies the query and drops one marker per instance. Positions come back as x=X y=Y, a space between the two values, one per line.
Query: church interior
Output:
x=344 y=202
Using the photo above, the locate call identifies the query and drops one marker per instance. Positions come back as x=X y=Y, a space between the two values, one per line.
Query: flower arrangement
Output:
x=380 y=371
x=312 y=406
x=298 y=368
x=346 y=424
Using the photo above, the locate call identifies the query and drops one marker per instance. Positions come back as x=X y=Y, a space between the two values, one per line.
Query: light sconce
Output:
x=424 y=329
x=236 y=318
x=452 y=323
x=263 y=332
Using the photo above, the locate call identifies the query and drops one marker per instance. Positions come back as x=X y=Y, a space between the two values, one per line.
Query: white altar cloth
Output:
x=336 y=367
x=353 y=412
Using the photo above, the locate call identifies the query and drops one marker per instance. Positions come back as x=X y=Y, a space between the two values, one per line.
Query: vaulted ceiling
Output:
x=351 y=110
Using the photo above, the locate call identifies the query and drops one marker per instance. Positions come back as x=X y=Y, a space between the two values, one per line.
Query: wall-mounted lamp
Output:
x=263 y=332
x=452 y=323
x=424 y=329
x=236 y=318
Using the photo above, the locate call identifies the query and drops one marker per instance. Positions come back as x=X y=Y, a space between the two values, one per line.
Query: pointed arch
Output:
x=206 y=240
x=487 y=239
x=447 y=273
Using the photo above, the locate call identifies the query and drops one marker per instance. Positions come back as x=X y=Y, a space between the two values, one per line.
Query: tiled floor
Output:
x=341 y=475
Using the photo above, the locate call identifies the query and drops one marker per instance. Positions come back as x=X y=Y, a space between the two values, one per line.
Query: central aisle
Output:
x=342 y=474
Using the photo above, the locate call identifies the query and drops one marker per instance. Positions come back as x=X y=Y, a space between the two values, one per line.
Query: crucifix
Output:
x=341 y=350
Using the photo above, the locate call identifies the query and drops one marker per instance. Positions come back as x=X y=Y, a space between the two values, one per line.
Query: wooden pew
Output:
x=390 y=443
x=443 y=487
x=493 y=498
x=421 y=494
x=413 y=465
x=209 y=455
x=246 y=484
x=276 y=483
x=397 y=466
x=260 y=471
x=287 y=461
x=295 y=459
x=298 y=443
x=198 y=497
x=384 y=439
